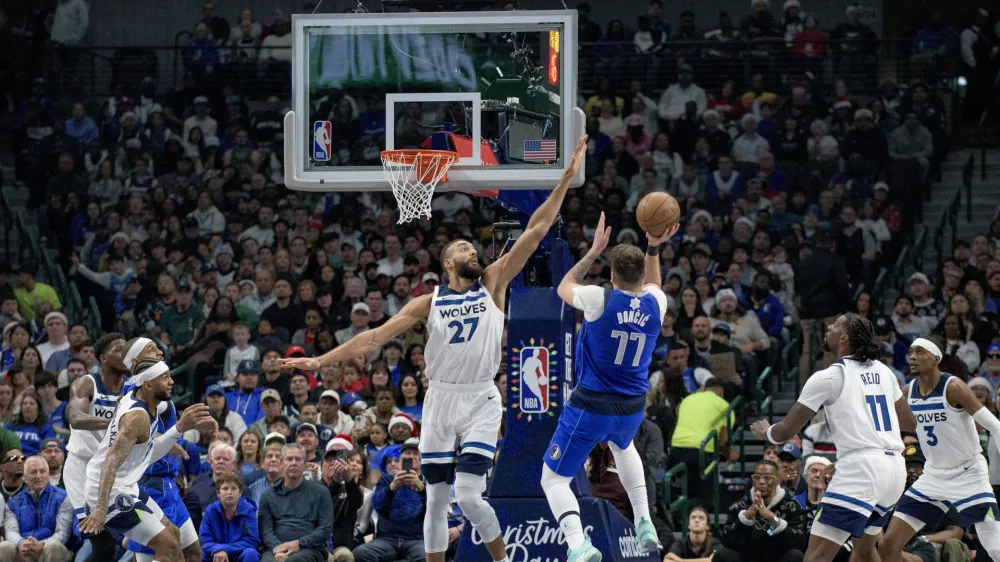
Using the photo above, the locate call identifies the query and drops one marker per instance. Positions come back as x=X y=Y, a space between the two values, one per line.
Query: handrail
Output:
x=680 y=505
x=880 y=283
x=95 y=315
x=709 y=471
x=899 y=268
x=735 y=428
x=861 y=288
x=919 y=247
x=187 y=373
x=765 y=398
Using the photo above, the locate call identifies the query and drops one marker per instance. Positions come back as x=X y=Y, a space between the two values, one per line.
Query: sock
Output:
x=564 y=506
x=630 y=473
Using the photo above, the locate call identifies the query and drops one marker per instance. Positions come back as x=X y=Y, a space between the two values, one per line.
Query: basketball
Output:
x=657 y=212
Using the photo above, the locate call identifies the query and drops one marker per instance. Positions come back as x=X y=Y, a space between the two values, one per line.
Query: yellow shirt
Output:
x=27 y=301
x=698 y=414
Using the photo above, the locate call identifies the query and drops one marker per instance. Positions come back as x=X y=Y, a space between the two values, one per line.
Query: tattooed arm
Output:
x=574 y=277
x=133 y=429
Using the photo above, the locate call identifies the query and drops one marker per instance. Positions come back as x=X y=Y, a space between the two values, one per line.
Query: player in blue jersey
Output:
x=613 y=353
x=158 y=480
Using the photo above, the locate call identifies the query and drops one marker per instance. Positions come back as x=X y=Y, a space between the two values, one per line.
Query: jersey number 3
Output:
x=623 y=339
x=878 y=406
x=459 y=336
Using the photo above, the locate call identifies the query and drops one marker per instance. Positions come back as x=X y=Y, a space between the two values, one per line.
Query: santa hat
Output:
x=404 y=419
x=746 y=221
x=852 y=8
x=341 y=439
x=791 y=4
x=842 y=103
x=702 y=213
x=864 y=113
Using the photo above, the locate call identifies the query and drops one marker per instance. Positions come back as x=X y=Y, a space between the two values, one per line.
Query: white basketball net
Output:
x=413 y=178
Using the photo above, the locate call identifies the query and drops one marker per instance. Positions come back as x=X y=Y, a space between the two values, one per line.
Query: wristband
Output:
x=652 y=250
x=771 y=439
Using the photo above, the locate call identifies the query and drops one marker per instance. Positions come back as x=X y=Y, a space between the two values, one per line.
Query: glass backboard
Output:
x=497 y=87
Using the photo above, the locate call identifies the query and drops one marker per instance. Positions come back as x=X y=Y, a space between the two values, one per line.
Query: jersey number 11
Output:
x=883 y=408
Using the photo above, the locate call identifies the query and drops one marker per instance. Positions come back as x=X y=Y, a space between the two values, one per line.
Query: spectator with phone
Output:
x=346 y=494
x=401 y=502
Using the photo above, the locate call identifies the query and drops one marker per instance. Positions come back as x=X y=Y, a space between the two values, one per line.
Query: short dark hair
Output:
x=628 y=263
x=75 y=360
x=228 y=478
x=104 y=342
x=766 y=462
x=45 y=378
x=714 y=383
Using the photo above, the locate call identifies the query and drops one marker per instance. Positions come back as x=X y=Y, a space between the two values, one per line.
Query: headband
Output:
x=133 y=352
x=928 y=345
x=151 y=373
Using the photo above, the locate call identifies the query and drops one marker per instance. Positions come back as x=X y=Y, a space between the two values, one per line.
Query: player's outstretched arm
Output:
x=574 y=277
x=133 y=426
x=652 y=274
x=959 y=394
x=497 y=276
x=797 y=418
x=365 y=343
x=81 y=394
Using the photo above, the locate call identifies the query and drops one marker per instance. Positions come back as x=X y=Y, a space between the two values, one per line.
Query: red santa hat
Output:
x=341 y=439
x=842 y=103
x=404 y=419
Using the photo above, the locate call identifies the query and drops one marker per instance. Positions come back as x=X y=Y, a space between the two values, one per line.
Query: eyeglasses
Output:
x=14 y=458
x=765 y=478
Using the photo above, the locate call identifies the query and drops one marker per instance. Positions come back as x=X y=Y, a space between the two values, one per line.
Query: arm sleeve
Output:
x=102 y=279
x=208 y=544
x=64 y=522
x=163 y=443
x=662 y=300
x=822 y=388
x=590 y=299
x=318 y=537
x=12 y=531
x=266 y=523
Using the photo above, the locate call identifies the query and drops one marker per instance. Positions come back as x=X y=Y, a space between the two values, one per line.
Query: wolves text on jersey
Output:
x=931 y=417
x=464 y=310
x=633 y=317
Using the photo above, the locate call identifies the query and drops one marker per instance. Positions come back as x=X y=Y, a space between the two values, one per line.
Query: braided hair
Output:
x=865 y=345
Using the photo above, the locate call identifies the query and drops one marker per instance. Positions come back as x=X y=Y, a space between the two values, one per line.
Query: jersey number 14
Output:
x=623 y=339
x=879 y=405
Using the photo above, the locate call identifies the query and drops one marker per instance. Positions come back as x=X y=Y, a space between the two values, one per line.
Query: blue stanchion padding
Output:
x=532 y=534
x=540 y=340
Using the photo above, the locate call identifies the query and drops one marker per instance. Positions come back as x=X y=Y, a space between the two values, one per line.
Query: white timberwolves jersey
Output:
x=137 y=461
x=948 y=436
x=860 y=406
x=83 y=443
x=464 y=336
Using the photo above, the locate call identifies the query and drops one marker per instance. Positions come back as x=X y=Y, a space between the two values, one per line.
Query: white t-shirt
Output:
x=48 y=348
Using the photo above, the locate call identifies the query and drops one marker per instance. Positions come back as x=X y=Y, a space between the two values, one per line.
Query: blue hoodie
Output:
x=232 y=536
x=246 y=404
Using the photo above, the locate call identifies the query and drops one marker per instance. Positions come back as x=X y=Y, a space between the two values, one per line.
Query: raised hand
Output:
x=602 y=236
x=667 y=235
x=578 y=156
x=759 y=428
x=193 y=417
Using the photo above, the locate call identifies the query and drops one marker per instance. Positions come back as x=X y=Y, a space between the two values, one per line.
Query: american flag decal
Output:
x=539 y=150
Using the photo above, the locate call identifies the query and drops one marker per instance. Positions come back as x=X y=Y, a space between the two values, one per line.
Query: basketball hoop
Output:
x=413 y=175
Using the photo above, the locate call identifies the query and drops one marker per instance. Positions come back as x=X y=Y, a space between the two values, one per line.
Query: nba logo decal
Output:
x=322 y=131
x=534 y=380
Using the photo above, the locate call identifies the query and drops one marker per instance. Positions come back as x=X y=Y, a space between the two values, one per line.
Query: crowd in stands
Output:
x=168 y=209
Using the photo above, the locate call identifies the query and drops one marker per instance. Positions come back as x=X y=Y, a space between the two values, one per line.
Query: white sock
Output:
x=564 y=506
x=630 y=473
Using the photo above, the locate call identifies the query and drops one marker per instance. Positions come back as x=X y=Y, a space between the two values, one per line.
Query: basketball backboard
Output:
x=366 y=82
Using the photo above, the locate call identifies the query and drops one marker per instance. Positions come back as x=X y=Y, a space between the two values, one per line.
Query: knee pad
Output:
x=989 y=537
x=436 y=520
x=469 y=490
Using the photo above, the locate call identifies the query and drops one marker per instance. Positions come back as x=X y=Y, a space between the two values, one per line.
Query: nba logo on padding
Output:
x=322 y=132
x=534 y=380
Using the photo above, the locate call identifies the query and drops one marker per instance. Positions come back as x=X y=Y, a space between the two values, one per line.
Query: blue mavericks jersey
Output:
x=168 y=465
x=617 y=340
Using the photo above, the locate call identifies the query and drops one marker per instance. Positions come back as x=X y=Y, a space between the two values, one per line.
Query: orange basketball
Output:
x=657 y=212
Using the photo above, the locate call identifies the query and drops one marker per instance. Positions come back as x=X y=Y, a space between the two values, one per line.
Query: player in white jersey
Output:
x=865 y=411
x=114 y=499
x=91 y=405
x=462 y=411
x=955 y=473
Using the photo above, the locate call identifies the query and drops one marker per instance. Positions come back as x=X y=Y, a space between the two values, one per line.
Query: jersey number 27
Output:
x=879 y=405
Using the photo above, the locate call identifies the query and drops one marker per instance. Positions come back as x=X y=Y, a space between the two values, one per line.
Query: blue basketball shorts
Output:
x=579 y=431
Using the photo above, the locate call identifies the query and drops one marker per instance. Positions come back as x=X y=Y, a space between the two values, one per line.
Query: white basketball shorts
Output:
x=965 y=487
x=459 y=430
x=861 y=495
